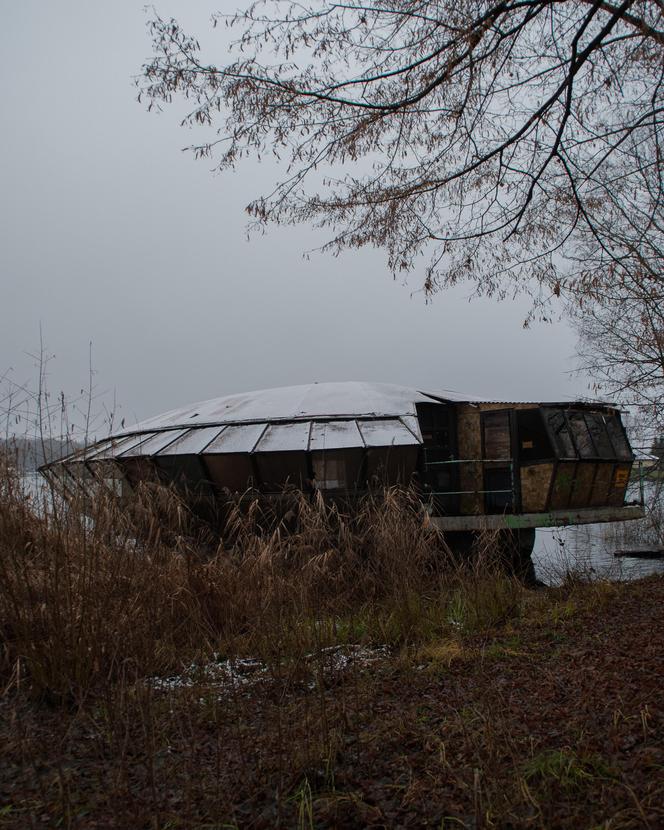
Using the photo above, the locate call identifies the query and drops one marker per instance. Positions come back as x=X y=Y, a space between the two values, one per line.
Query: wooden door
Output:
x=498 y=461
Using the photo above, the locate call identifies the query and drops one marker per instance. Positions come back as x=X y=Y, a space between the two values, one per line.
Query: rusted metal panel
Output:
x=561 y=493
x=602 y=485
x=391 y=465
x=583 y=484
x=619 y=484
x=281 y=469
x=337 y=469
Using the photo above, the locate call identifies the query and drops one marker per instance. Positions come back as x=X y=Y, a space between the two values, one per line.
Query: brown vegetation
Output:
x=387 y=686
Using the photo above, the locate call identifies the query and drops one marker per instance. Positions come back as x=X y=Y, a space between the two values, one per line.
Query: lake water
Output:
x=590 y=548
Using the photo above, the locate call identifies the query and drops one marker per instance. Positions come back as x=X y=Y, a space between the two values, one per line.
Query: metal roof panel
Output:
x=192 y=442
x=236 y=438
x=386 y=433
x=285 y=438
x=153 y=444
x=333 y=435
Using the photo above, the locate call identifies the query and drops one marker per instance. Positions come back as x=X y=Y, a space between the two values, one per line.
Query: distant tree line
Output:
x=28 y=454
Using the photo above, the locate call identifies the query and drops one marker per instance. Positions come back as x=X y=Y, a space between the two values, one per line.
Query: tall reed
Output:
x=93 y=589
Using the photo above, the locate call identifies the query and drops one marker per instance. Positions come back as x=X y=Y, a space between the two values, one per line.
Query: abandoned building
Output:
x=477 y=463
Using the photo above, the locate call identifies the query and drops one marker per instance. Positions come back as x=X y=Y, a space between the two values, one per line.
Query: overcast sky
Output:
x=110 y=234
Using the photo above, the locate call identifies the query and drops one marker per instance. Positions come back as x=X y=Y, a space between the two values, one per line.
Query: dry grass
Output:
x=94 y=590
x=391 y=685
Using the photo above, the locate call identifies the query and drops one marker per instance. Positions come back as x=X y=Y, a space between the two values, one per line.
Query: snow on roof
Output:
x=293 y=418
x=349 y=399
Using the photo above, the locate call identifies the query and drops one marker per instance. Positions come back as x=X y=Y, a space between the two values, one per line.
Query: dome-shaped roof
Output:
x=303 y=418
x=348 y=399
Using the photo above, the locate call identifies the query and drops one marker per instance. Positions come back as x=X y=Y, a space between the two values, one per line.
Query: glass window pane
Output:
x=561 y=436
x=618 y=439
x=597 y=429
x=582 y=438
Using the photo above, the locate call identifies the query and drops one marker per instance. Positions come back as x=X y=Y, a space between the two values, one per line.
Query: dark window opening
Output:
x=440 y=473
x=278 y=470
x=582 y=437
x=587 y=435
x=618 y=438
x=498 y=483
x=596 y=422
x=560 y=433
x=437 y=427
x=533 y=441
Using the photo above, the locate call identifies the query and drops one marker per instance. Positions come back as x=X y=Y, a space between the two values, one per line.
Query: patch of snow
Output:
x=228 y=676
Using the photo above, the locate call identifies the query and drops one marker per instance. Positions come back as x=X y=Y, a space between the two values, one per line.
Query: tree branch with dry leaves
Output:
x=487 y=137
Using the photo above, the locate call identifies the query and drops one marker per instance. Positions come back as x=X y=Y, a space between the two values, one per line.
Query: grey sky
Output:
x=110 y=234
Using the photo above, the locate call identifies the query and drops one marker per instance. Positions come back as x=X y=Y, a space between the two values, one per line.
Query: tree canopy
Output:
x=500 y=141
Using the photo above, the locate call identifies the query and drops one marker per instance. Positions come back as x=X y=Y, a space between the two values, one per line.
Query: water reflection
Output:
x=590 y=549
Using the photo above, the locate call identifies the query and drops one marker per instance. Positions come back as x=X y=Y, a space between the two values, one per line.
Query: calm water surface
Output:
x=590 y=548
